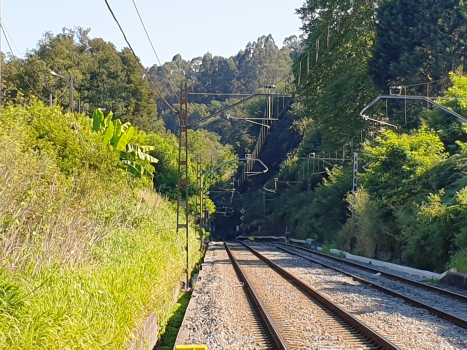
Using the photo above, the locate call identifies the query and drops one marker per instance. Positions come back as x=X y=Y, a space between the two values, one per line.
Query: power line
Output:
x=155 y=53
x=336 y=25
x=21 y=71
x=428 y=82
x=138 y=61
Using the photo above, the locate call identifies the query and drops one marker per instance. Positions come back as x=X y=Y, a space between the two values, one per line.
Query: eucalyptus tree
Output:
x=418 y=41
x=331 y=71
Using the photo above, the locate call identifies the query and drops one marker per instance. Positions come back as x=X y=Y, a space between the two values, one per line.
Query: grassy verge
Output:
x=86 y=252
x=459 y=261
x=169 y=335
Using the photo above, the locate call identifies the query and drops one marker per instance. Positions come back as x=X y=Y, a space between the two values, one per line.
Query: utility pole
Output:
x=183 y=181
x=182 y=186
x=355 y=174
x=72 y=102
x=199 y=191
x=71 y=89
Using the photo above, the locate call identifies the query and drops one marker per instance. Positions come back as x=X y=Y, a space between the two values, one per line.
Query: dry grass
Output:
x=85 y=255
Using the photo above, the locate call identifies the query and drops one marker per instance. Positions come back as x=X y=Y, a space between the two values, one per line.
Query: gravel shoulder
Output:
x=406 y=326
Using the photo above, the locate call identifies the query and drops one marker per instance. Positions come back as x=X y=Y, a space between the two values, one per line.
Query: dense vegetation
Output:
x=409 y=204
x=103 y=77
x=83 y=238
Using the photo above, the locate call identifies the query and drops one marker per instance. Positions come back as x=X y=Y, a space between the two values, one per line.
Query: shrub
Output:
x=86 y=253
x=459 y=261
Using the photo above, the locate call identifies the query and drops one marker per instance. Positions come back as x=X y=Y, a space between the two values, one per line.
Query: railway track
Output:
x=257 y=296
x=298 y=316
x=220 y=314
x=439 y=302
x=406 y=326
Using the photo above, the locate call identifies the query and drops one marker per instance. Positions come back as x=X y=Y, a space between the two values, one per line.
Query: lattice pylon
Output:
x=183 y=180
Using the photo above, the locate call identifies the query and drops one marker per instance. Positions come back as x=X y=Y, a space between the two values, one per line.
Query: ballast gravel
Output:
x=219 y=314
x=302 y=322
x=406 y=326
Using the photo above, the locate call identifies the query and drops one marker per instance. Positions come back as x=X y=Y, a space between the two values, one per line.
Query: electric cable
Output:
x=155 y=53
x=429 y=82
x=336 y=25
x=13 y=54
x=138 y=61
x=66 y=89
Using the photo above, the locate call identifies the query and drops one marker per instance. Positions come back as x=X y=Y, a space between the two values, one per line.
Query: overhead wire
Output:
x=5 y=31
x=155 y=53
x=66 y=89
x=138 y=61
x=428 y=82
x=336 y=25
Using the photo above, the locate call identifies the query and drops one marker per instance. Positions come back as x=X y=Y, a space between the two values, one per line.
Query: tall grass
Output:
x=86 y=252
x=459 y=261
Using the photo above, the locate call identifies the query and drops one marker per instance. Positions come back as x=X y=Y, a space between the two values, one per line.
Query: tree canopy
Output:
x=103 y=77
x=418 y=41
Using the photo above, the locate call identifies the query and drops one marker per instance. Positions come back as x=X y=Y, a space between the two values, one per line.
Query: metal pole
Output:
x=269 y=107
x=355 y=173
x=201 y=200
x=183 y=181
x=405 y=104
x=72 y=103
x=51 y=100
x=198 y=189
x=427 y=94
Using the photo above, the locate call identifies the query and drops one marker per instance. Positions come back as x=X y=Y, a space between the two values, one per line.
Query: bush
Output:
x=86 y=253
x=459 y=261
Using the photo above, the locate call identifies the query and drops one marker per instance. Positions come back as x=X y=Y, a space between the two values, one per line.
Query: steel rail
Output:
x=441 y=314
x=257 y=303
x=445 y=292
x=338 y=311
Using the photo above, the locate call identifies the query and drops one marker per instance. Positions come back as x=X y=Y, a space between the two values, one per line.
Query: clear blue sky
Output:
x=190 y=28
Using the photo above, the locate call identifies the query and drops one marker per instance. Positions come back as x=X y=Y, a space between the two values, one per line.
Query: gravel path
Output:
x=399 y=273
x=219 y=314
x=406 y=326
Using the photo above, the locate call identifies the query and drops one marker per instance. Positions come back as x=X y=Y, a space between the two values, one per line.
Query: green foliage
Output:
x=170 y=333
x=331 y=72
x=260 y=63
x=85 y=252
x=103 y=77
x=366 y=225
x=205 y=148
x=329 y=212
x=418 y=41
x=451 y=130
x=117 y=136
x=327 y=248
x=433 y=227
x=459 y=261
x=166 y=150
x=396 y=161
